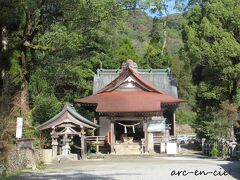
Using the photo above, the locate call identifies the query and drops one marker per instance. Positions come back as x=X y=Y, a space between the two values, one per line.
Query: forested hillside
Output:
x=140 y=27
x=50 y=51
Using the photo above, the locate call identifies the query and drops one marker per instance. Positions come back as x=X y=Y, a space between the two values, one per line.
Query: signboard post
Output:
x=19 y=127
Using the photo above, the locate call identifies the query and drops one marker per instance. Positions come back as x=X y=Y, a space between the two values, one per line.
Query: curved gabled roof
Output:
x=77 y=119
x=129 y=92
x=123 y=75
x=118 y=101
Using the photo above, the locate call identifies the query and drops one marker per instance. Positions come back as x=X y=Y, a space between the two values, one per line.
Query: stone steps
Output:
x=131 y=148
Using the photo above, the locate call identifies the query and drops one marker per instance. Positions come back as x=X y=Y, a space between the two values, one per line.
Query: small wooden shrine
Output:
x=68 y=129
x=134 y=107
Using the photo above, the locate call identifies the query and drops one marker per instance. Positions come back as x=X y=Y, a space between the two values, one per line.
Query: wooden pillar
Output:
x=112 y=136
x=83 y=145
x=145 y=135
x=97 y=145
x=174 y=121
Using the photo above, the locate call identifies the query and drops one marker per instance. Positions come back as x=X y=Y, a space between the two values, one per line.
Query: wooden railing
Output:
x=206 y=149
x=96 y=141
x=160 y=139
x=157 y=139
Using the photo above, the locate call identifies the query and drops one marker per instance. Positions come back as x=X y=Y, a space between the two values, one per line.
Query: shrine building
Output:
x=68 y=132
x=135 y=108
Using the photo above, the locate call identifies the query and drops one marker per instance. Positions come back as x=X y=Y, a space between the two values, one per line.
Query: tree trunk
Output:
x=233 y=90
x=4 y=38
x=21 y=97
x=4 y=105
x=164 y=36
x=24 y=99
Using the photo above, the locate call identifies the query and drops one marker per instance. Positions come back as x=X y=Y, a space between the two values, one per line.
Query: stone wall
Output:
x=19 y=159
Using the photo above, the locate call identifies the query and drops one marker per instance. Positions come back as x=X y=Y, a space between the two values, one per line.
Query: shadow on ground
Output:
x=233 y=167
x=194 y=146
x=69 y=175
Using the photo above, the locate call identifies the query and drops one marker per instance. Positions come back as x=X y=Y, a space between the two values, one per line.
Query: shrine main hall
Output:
x=134 y=108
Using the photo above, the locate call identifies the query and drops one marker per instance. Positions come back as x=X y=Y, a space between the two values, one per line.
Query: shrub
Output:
x=214 y=151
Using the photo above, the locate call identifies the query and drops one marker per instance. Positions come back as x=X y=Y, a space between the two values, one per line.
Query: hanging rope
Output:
x=127 y=125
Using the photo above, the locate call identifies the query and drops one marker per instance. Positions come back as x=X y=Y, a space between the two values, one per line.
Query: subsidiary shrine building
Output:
x=135 y=108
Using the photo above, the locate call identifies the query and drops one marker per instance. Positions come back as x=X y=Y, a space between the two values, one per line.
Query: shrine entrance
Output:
x=125 y=104
x=131 y=130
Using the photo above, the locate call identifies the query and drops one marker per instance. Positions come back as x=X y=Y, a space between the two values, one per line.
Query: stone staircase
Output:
x=128 y=148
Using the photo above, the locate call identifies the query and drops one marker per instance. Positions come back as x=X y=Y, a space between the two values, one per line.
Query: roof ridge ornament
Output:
x=129 y=64
x=130 y=82
x=130 y=79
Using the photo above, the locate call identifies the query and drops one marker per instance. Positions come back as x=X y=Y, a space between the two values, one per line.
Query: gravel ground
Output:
x=139 y=169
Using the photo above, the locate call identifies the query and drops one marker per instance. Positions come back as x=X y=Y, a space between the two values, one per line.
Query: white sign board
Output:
x=19 y=127
x=171 y=148
x=156 y=126
x=163 y=148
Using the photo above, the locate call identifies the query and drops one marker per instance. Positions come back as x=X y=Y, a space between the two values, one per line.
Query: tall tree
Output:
x=76 y=48
x=23 y=20
x=124 y=50
x=156 y=54
x=212 y=44
x=51 y=52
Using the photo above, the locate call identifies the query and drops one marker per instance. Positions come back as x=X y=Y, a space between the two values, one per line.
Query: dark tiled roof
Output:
x=69 y=108
x=162 y=79
x=123 y=75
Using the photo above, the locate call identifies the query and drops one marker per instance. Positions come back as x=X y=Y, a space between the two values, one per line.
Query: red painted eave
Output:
x=137 y=101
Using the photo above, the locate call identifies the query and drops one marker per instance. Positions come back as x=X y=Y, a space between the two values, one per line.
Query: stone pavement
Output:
x=139 y=168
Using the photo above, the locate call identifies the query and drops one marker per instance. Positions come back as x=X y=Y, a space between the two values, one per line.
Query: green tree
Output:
x=211 y=37
x=75 y=50
x=124 y=50
x=156 y=54
x=22 y=20
x=53 y=45
x=221 y=128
